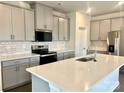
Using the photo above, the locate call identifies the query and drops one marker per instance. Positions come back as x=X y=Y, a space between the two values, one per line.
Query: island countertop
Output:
x=73 y=75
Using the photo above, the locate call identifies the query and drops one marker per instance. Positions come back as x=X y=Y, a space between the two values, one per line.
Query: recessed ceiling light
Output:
x=120 y=3
x=88 y=10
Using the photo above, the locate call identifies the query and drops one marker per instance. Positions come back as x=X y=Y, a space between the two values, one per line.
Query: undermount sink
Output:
x=85 y=59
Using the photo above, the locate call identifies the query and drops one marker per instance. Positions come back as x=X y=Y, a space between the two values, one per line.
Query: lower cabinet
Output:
x=23 y=76
x=65 y=55
x=14 y=72
x=9 y=76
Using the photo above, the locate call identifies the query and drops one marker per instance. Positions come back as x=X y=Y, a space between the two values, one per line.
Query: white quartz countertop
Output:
x=72 y=75
x=17 y=56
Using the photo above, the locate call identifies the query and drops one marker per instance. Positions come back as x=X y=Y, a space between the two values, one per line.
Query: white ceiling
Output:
x=98 y=7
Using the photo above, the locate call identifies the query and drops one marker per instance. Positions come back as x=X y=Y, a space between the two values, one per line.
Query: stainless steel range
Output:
x=46 y=56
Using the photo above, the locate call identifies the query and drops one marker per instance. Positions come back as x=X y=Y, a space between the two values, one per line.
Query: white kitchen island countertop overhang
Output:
x=73 y=75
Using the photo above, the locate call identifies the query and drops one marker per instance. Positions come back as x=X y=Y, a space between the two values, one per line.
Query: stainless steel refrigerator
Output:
x=115 y=44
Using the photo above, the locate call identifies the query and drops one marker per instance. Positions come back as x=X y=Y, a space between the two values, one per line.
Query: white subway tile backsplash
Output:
x=98 y=45
x=25 y=47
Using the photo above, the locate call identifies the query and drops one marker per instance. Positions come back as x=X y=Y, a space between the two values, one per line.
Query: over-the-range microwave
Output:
x=43 y=36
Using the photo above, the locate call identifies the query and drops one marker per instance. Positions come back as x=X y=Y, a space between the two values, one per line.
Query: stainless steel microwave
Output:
x=43 y=36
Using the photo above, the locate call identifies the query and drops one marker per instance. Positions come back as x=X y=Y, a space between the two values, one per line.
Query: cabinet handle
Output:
x=11 y=37
x=16 y=68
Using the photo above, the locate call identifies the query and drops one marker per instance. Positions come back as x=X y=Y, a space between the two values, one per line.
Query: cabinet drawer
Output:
x=9 y=63
x=14 y=62
x=60 y=56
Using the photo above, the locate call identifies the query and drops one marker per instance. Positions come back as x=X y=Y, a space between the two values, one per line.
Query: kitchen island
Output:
x=72 y=75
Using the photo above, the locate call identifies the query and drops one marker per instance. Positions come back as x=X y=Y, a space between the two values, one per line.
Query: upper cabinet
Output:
x=94 y=30
x=116 y=24
x=18 y=23
x=63 y=29
x=104 y=29
x=99 y=29
x=5 y=22
x=60 y=28
x=29 y=25
x=55 y=32
x=44 y=17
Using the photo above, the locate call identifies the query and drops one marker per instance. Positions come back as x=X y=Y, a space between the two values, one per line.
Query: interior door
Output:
x=81 y=41
x=18 y=23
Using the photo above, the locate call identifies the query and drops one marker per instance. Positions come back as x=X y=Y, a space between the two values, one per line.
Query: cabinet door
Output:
x=104 y=29
x=66 y=30
x=9 y=76
x=29 y=25
x=72 y=54
x=116 y=24
x=55 y=32
x=40 y=17
x=23 y=75
x=61 y=29
x=5 y=22
x=66 y=55
x=60 y=56
x=94 y=30
x=18 y=23
x=49 y=18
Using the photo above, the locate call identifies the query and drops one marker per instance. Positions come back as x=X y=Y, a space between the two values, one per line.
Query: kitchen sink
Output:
x=85 y=59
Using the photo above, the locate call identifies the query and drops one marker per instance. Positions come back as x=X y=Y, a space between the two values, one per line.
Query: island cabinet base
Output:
x=40 y=85
x=107 y=84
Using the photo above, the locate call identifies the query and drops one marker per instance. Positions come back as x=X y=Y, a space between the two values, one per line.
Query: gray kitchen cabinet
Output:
x=34 y=61
x=23 y=75
x=18 y=23
x=60 y=28
x=94 y=34
x=69 y=54
x=99 y=29
x=63 y=29
x=66 y=29
x=49 y=18
x=44 y=18
x=116 y=24
x=5 y=22
x=60 y=56
x=29 y=25
x=9 y=76
x=65 y=55
x=104 y=29
x=55 y=32
x=14 y=71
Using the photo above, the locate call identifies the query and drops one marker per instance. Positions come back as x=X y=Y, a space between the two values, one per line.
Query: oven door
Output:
x=48 y=58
